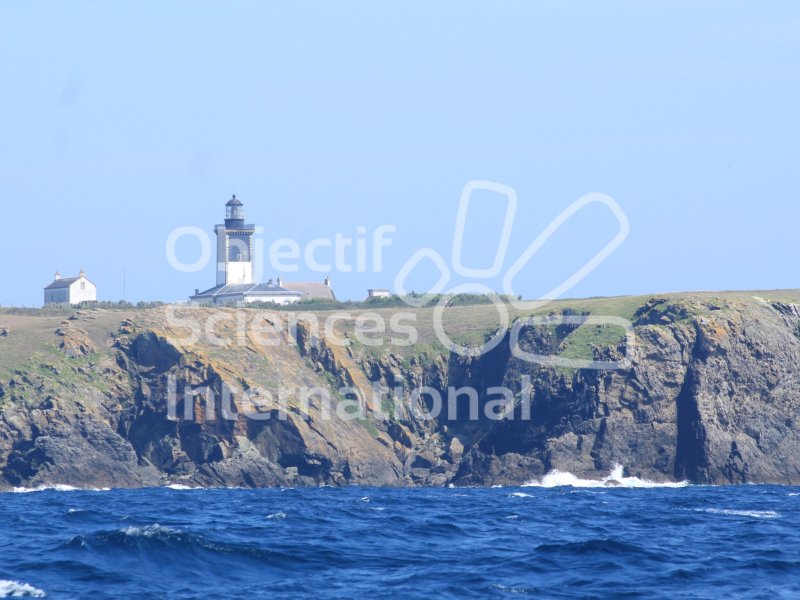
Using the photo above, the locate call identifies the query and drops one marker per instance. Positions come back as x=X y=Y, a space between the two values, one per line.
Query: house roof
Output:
x=310 y=289
x=64 y=282
x=247 y=289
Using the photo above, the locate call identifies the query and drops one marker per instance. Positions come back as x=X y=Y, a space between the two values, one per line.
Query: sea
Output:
x=561 y=537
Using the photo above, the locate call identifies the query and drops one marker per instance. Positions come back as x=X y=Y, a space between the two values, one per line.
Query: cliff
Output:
x=224 y=397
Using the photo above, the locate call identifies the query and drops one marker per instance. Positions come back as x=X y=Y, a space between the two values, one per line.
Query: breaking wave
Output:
x=17 y=589
x=614 y=479
x=149 y=531
x=756 y=514
x=58 y=487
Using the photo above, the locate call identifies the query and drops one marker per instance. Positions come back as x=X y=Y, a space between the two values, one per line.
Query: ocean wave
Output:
x=181 y=487
x=128 y=535
x=44 y=488
x=136 y=536
x=17 y=589
x=616 y=478
x=58 y=487
x=149 y=531
x=278 y=516
x=185 y=547
x=757 y=514
x=591 y=546
x=512 y=590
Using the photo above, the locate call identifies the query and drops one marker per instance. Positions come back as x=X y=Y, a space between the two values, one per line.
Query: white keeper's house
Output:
x=236 y=283
x=70 y=290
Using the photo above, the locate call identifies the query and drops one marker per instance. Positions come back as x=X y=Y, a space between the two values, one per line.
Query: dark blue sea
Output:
x=559 y=542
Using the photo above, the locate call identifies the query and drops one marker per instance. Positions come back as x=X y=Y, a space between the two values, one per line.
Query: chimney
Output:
x=58 y=276
x=196 y=291
x=328 y=281
x=279 y=281
x=82 y=273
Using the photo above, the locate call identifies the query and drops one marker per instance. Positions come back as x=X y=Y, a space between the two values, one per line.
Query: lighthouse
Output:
x=236 y=285
x=235 y=246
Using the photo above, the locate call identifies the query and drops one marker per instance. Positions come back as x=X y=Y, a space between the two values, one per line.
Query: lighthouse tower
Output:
x=235 y=246
x=236 y=272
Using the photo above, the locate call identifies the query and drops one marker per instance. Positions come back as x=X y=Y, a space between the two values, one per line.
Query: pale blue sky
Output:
x=121 y=121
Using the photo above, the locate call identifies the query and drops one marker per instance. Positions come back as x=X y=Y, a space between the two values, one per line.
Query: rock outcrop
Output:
x=711 y=398
x=711 y=395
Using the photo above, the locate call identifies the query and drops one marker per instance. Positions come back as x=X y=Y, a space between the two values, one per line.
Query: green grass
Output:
x=369 y=426
x=60 y=370
x=468 y=321
x=473 y=324
x=388 y=406
x=579 y=344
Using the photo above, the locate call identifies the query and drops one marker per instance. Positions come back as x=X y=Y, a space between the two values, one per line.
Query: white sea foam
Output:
x=509 y=590
x=43 y=488
x=58 y=487
x=520 y=495
x=180 y=486
x=614 y=479
x=278 y=516
x=17 y=589
x=757 y=514
x=148 y=531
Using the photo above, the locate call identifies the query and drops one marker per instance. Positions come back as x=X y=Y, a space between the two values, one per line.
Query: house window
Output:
x=83 y=285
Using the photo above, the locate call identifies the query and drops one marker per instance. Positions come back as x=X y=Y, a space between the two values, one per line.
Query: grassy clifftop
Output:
x=32 y=333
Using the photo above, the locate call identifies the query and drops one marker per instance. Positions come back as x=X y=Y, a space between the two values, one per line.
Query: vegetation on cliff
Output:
x=711 y=394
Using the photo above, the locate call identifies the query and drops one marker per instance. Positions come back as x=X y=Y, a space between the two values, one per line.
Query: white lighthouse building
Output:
x=236 y=270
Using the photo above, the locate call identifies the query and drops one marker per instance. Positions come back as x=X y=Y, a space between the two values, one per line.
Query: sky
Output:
x=122 y=122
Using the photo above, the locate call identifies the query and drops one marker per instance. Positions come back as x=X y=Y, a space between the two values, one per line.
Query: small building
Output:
x=70 y=290
x=378 y=293
x=246 y=293
x=310 y=290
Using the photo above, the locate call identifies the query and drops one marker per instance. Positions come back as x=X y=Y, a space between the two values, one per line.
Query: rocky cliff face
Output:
x=711 y=398
x=712 y=395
